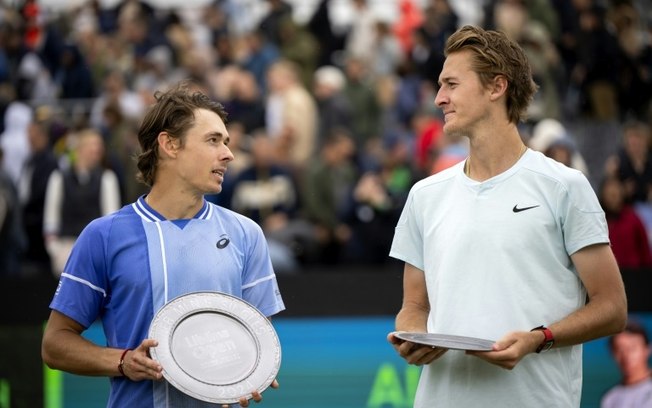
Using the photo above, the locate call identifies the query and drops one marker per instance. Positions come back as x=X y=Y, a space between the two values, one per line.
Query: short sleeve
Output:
x=82 y=289
x=408 y=238
x=583 y=219
x=259 y=285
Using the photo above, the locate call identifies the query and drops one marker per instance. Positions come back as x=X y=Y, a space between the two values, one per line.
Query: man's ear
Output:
x=168 y=145
x=498 y=87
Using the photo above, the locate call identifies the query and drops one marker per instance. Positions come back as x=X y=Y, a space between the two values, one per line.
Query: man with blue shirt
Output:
x=170 y=242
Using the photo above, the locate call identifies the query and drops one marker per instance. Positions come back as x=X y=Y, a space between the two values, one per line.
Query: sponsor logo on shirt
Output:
x=516 y=208
x=222 y=242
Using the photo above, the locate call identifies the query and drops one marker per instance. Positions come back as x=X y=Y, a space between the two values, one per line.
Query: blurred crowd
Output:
x=330 y=123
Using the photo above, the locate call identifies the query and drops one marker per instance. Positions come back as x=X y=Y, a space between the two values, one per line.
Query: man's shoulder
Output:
x=228 y=215
x=124 y=215
x=438 y=180
x=620 y=394
x=547 y=168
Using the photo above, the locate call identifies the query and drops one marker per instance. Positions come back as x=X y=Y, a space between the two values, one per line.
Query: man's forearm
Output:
x=74 y=354
x=412 y=318
x=598 y=318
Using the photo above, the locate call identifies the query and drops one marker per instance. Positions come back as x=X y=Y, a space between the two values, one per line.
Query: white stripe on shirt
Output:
x=256 y=282
x=85 y=282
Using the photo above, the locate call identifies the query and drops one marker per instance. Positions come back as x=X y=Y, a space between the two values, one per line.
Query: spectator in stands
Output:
x=12 y=237
x=41 y=36
x=245 y=102
x=224 y=49
x=13 y=50
x=427 y=54
x=33 y=81
x=14 y=141
x=139 y=26
x=378 y=198
x=74 y=76
x=322 y=27
x=566 y=41
x=361 y=36
x=635 y=71
x=76 y=195
x=291 y=115
x=633 y=162
x=326 y=186
x=387 y=54
x=33 y=182
x=550 y=137
x=215 y=23
x=631 y=352
x=596 y=71
x=541 y=12
x=115 y=90
x=361 y=94
x=298 y=46
x=157 y=70
x=264 y=189
x=335 y=110
x=410 y=17
x=267 y=192
x=103 y=54
x=259 y=55
x=270 y=24
x=179 y=37
x=562 y=151
x=413 y=92
x=627 y=233
x=513 y=18
x=389 y=122
x=119 y=134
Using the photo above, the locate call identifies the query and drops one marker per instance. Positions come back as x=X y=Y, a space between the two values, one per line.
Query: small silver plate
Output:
x=448 y=341
x=215 y=347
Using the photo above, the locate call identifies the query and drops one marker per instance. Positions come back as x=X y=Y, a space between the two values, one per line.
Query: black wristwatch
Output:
x=548 y=340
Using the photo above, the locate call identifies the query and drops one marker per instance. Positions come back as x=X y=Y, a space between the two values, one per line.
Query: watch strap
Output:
x=548 y=339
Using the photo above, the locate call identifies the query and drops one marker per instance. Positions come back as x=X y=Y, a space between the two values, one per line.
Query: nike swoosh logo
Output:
x=516 y=209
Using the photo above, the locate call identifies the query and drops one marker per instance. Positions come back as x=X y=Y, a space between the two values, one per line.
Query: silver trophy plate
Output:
x=448 y=341
x=215 y=347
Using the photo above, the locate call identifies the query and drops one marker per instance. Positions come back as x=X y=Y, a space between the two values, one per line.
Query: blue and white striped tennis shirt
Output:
x=125 y=266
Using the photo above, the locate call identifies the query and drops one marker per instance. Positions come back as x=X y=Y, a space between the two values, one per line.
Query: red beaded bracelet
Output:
x=122 y=362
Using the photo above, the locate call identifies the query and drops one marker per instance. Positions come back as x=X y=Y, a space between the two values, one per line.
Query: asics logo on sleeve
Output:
x=516 y=209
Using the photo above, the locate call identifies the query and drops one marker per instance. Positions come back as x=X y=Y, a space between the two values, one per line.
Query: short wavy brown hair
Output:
x=496 y=54
x=632 y=327
x=174 y=113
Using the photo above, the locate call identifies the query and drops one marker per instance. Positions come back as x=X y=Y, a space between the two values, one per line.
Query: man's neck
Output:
x=493 y=154
x=174 y=206
x=637 y=377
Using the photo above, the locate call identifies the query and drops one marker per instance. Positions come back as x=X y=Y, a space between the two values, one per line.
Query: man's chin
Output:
x=448 y=127
x=452 y=130
x=214 y=190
